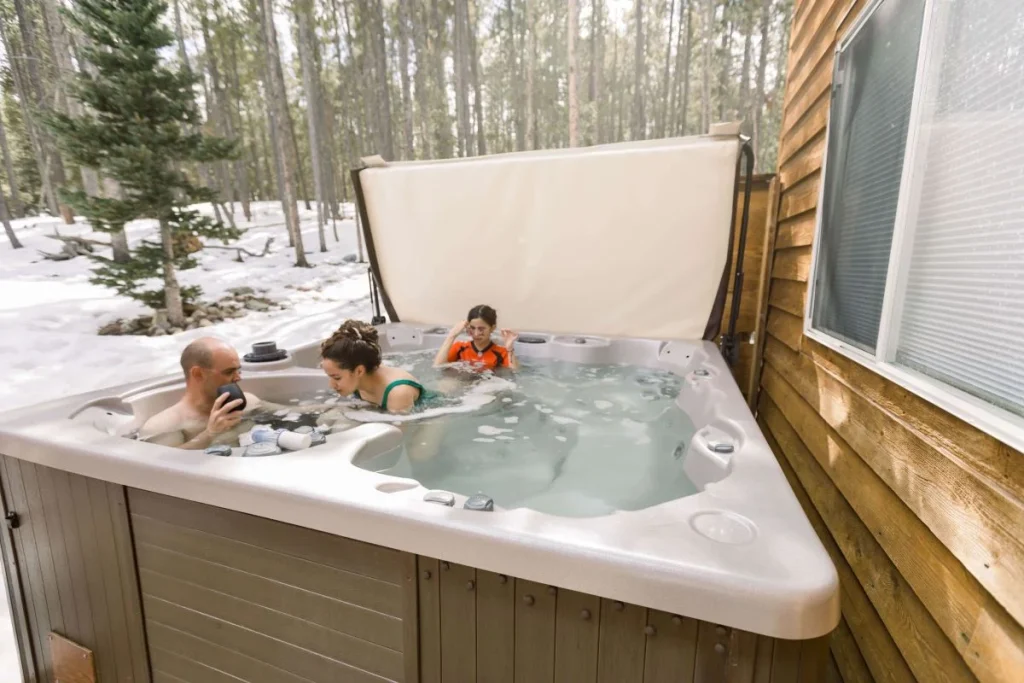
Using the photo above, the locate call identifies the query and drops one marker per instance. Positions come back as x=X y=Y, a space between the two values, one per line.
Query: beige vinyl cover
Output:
x=624 y=240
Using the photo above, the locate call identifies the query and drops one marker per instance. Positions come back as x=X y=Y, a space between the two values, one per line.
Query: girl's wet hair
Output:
x=485 y=313
x=355 y=343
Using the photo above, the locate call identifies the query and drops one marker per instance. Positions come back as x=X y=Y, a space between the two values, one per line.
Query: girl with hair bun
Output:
x=351 y=358
x=480 y=351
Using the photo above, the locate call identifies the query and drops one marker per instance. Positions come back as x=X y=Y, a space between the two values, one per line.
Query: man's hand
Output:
x=221 y=417
x=509 y=337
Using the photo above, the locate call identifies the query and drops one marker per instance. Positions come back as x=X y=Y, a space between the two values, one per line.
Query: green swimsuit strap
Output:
x=398 y=383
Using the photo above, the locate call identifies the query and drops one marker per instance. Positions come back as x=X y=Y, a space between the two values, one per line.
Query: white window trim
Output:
x=999 y=423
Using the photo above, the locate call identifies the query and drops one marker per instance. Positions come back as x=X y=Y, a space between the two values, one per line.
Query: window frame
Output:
x=995 y=421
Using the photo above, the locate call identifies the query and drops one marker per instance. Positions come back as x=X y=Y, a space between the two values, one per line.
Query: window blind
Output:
x=962 y=317
x=870 y=112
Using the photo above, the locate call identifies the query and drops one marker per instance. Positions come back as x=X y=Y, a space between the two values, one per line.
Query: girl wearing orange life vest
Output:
x=479 y=351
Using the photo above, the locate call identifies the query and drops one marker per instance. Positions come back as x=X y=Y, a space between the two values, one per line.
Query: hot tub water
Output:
x=557 y=437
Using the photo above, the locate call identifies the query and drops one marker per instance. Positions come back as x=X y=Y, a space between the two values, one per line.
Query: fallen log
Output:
x=241 y=250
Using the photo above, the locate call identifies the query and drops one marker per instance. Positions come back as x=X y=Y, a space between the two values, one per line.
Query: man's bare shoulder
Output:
x=167 y=427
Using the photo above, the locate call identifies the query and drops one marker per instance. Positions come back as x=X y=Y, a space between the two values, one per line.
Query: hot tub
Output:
x=312 y=566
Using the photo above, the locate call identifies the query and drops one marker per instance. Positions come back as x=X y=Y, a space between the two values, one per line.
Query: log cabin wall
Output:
x=921 y=513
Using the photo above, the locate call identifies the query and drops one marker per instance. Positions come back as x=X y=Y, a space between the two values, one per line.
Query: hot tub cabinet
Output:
x=163 y=589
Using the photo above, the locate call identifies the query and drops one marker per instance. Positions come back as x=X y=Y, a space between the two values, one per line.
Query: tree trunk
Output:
x=341 y=98
x=215 y=104
x=683 y=70
x=514 y=77
x=616 y=113
x=311 y=83
x=443 y=135
x=709 y=35
x=639 y=127
x=419 y=39
x=278 y=146
x=235 y=114
x=663 y=117
x=201 y=169
x=478 y=106
x=180 y=35
x=460 y=55
x=686 y=65
x=52 y=165
x=531 y=69
x=596 y=67
x=25 y=103
x=371 y=123
x=279 y=107
x=382 y=82
x=293 y=150
x=762 y=67
x=748 y=40
x=60 y=52
x=119 y=244
x=724 y=76
x=172 y=290
x=6 y=219
x=574 y=104
x=403 y=69
x=266 y=154
x=12 y=178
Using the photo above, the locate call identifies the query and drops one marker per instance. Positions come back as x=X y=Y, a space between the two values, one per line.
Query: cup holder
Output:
x=531 y=339
x=436 y=330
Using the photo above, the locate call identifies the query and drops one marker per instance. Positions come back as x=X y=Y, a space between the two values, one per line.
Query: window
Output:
x=919 y=257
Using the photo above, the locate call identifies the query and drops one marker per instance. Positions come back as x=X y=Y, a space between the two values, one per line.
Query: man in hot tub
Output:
x=202 y=418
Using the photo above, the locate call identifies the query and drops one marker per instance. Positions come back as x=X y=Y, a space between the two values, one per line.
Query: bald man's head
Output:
x=209 y=363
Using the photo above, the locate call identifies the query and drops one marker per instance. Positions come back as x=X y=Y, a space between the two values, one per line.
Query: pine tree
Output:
x=137 y=129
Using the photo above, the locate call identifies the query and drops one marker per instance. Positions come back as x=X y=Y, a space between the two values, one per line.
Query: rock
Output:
x=160 y=319
x=111 y=328
x=157 y=332
x=205 y=323
x=175 y=330
x=256 y=305
x=349 y=258
x=239 y=291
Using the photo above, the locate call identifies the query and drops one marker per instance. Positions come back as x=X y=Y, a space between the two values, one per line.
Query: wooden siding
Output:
x=491 y=628
x=921 y=513
x=71 y=571
x=232 y=597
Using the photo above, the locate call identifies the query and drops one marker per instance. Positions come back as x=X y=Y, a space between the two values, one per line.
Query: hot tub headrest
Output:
x=619 y=240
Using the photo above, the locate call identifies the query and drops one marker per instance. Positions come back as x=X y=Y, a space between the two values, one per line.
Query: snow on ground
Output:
x=49 y=312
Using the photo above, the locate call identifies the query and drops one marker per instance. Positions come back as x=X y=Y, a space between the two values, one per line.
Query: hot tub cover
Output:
x=622 y=240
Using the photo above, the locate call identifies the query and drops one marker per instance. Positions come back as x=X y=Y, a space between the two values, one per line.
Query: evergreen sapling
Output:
x=139 y=128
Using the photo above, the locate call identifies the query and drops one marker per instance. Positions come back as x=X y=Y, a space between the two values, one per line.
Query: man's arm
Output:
x=174 y=438
x=200 y=441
